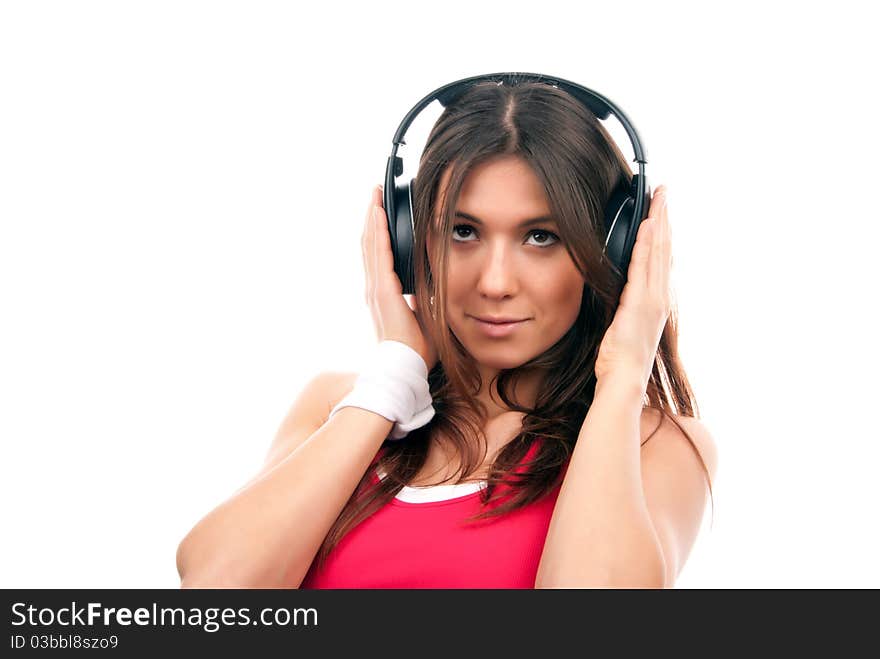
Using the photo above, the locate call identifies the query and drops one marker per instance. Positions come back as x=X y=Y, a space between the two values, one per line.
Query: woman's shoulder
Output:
x=696 y=429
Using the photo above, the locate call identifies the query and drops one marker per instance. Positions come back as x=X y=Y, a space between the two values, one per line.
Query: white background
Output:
x=182 y=194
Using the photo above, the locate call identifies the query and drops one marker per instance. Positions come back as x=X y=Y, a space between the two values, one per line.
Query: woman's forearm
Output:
x=267 y=534
x=601 y=534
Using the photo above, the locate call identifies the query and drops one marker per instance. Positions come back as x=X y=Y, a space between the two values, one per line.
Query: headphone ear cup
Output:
x=621 y=228
x=402 y=237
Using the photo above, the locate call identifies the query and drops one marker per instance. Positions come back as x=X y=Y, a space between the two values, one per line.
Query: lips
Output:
x=498 y=320
x=498 y=329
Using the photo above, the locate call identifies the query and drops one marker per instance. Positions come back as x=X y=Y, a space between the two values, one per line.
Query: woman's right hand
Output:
x=393 y=316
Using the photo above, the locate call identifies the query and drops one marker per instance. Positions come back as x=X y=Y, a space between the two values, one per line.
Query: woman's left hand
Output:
x=630 y=344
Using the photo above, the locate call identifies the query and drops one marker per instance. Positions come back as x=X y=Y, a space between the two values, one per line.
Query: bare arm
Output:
x=267 y=534
x=601 y=534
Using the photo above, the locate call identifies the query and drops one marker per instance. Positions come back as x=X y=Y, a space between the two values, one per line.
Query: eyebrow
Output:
x=524 y=223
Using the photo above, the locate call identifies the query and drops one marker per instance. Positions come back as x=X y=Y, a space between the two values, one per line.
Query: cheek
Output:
x=561 y=298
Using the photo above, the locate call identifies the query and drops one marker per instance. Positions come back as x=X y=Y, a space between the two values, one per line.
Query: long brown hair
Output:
x=579 y=166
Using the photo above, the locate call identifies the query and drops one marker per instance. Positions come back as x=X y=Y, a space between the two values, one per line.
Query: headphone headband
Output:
x=598 y=104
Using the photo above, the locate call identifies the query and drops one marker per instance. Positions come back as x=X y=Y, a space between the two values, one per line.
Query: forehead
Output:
x=502 y=190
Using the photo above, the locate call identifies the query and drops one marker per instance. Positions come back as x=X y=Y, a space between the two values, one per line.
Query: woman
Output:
x=532 y=453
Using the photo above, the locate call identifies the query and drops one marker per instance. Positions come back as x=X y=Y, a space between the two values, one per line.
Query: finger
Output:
x=656 y=207
x=374 y=261
x=367 y=250
x=384 y=256
x=375 y=278
x=659 y=266
x=656 y=261
x=638 y=264
x=668 y=241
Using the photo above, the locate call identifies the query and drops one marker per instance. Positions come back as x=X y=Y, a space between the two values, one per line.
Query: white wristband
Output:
x=393 y=384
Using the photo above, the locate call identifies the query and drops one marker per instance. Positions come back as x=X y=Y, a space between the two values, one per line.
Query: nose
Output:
x=498 y=277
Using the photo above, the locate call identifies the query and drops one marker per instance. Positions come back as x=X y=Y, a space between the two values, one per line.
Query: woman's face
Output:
x=499 y=268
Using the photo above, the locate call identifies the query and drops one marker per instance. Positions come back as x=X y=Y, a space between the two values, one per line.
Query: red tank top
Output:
x=427 y=545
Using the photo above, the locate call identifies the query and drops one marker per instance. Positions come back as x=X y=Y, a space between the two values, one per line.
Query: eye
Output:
x=457 y=227
x=544 y=243
x=541 y=242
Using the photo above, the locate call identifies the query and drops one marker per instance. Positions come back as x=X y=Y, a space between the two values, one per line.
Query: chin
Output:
x=495 y=354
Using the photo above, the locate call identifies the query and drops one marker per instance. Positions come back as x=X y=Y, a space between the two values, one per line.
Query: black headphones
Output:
x=624 y=213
